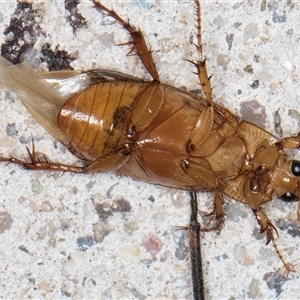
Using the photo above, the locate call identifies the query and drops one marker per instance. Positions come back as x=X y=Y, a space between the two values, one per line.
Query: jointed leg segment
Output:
x=217 y=215
x=38 y=161
x=269 y=228
x=200 y=64
x=138 y=41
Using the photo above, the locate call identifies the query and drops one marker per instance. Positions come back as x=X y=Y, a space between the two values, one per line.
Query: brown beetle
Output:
x=136 y=138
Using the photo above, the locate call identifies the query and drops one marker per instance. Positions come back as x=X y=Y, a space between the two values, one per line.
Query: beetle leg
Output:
x=202 y=176
x=107 y=163
x=138 y=41
x=217 y=215
x=200 y=64
x=197 y=170
x=39 y=161
x=41 y=165
x=202 y=128
x=267 y=226
x=291 y=142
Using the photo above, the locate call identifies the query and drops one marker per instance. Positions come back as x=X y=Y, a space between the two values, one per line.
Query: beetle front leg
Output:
x=138 y=42
x=267 y=227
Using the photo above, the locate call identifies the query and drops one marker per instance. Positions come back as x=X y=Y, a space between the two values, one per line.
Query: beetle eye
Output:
x=295 y=167
x=288 y=197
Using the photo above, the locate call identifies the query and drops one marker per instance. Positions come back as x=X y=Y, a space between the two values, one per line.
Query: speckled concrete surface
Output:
x=108 y=237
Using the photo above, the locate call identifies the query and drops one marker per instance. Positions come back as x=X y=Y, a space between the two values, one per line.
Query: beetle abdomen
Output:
x=94 y=121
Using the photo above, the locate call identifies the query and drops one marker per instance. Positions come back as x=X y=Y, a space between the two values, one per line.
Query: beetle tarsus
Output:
x=217 y=215
x=267 y=226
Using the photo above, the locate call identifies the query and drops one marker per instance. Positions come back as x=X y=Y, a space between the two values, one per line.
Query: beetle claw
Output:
x=217 y=220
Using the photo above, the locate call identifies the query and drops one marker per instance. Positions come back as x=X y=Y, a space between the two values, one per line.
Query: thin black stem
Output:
x=195 y=251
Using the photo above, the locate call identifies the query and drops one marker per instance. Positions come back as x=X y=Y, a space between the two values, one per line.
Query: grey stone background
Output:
x=90 y=236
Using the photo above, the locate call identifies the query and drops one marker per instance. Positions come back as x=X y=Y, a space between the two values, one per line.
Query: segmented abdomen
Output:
x=94 y=122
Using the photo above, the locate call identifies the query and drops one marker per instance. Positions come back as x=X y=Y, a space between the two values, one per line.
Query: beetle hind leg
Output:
x=39 y=161
x=138 y=42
